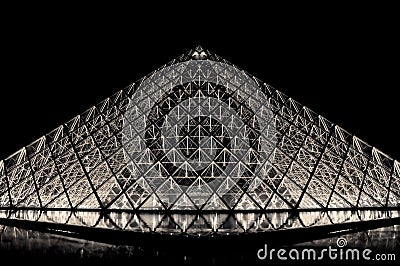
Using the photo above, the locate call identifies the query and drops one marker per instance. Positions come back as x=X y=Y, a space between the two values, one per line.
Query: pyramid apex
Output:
x=199 y=48
x=199 y=53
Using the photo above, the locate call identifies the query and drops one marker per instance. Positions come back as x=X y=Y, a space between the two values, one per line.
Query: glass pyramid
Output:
x=199 y=134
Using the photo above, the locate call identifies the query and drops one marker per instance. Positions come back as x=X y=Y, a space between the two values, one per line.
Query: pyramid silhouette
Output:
x=199 y=134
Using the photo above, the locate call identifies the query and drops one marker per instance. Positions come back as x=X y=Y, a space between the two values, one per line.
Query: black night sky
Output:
x=343 y=65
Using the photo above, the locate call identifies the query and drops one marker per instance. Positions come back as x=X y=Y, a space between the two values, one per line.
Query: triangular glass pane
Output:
x=246 y=203
x=277 y=203
x=230 y=192
x=308 y=203
x=79 y=191
x=199 y=192
x=60 y=202
x=152 y=203
x=121 y=203
x=108 y=191
x=169 y=192
x=259 y=192
x=139 y=192
x=183 y=203
x=215 y=203
x=31 y=201
x=337 y=201
x=90 y=202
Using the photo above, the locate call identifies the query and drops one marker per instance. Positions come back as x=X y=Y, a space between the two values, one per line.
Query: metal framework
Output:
x=199 y=134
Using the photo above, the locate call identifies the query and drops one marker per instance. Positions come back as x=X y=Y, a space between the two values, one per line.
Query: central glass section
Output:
x=198 y=136
x=199 y=132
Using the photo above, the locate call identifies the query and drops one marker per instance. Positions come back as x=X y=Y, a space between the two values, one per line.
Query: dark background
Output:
x=343 y=64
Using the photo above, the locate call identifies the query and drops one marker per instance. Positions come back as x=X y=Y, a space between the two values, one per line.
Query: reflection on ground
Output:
x=199 y=224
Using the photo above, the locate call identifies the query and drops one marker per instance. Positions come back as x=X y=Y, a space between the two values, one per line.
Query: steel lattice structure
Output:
x=199 y=134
